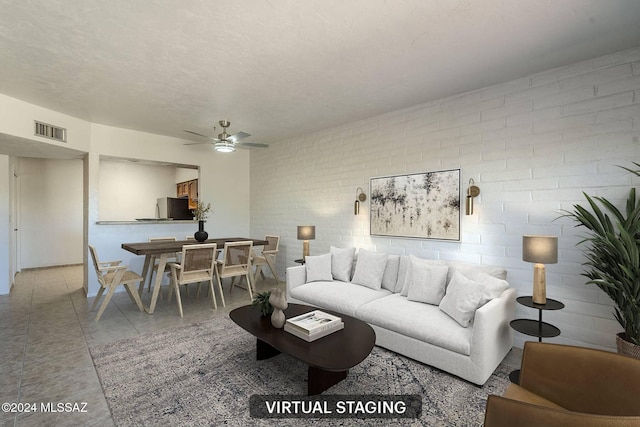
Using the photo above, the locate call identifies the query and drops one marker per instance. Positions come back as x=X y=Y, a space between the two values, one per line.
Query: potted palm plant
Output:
x=613 y=259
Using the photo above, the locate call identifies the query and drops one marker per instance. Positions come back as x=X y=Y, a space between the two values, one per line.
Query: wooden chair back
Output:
x=96 y=265
x=197 y=258
x=236 y=257
x=272 y=247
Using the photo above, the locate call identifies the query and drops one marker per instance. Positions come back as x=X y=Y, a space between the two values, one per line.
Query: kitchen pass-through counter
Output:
x=149 y=221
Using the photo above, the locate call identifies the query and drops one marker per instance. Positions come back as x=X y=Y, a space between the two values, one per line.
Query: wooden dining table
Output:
x=165 y=249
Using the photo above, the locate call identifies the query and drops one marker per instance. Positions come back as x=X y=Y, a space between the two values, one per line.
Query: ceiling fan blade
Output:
x=197 y=143
x=251 y=144
x=196 y=133
x=237 y=136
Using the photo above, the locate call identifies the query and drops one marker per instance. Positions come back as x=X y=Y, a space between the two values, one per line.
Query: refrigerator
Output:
x=174 y=208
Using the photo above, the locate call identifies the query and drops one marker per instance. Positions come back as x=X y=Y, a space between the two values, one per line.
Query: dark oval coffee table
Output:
x=329 y=358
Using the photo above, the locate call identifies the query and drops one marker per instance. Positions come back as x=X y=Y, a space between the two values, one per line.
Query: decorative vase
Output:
x=279 y=303
x=201 y=235
x=627 y=348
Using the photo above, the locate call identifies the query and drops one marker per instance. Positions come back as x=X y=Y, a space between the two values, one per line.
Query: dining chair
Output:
x=236 y=262
x=266 y=257
x=112 y=274
x=153 y=263
x=197 y=264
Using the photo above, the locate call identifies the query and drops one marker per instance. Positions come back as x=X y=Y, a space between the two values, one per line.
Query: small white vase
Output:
x=279 y=303
x=277 y=318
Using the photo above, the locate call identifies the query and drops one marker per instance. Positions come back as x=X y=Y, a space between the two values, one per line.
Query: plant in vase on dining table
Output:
x=200 y=213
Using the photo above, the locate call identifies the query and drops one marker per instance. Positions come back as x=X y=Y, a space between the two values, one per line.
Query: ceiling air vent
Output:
x=49 y=131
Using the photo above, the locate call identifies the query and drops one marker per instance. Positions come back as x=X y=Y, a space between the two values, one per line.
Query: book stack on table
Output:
x=313 y=325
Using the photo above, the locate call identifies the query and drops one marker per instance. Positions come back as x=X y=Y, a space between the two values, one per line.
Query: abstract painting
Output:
x=422 y=205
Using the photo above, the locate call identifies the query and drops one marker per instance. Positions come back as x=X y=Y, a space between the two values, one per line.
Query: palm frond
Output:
x=613 y=253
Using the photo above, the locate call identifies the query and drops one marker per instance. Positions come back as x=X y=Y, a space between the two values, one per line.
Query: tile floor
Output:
x=46 y=330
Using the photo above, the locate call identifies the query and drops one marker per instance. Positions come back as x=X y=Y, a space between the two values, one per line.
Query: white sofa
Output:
x=393 y=303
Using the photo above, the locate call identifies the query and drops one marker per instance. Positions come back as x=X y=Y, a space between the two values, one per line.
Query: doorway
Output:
x=14 y=249
x=50 y=211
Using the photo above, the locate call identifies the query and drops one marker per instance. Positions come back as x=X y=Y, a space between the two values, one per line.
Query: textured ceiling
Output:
x=278 y=69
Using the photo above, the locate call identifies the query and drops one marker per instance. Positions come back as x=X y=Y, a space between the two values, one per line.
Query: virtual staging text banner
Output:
x=336 y=406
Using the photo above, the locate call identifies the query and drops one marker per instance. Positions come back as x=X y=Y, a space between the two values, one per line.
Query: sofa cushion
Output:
x=402 y=273
x=426 y=282
x=423 y=322
x=318 y=267
x=390 y=276
x=341 y=263
x=370 y=269
x=337 y=296
x=419 y=264
x=464 y=295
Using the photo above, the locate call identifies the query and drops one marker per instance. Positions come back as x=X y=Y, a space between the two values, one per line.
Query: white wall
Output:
x=16 y=118
x=186 y=174
x=130 y=190
x=532 y=145
x=51 y=212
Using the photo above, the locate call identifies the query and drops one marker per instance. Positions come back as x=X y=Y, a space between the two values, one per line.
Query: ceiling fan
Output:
x=226 y=143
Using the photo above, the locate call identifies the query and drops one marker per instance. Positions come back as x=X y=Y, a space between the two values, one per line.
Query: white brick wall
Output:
x=532 y=145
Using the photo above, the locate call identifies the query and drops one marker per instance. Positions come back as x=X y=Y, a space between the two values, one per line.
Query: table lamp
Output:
x=540 y=250
x=306 y=233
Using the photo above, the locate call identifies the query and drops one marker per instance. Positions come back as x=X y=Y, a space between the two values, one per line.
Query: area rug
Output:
x=204 y=374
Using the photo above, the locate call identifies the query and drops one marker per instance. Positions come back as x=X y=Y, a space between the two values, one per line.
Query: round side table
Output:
x=535 y=328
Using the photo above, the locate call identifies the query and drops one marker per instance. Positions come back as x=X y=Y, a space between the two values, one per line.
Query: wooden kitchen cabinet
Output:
x=188 y=189
x=180 y=190
x=193 y=193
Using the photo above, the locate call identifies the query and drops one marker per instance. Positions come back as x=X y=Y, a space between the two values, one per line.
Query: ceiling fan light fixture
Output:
x=224 y=147
x=226 y=143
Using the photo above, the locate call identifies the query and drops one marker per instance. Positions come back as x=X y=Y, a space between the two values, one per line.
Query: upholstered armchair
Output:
x=564 y=385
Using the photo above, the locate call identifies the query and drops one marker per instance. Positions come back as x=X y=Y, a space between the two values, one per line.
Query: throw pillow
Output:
x=469 y=269
x=402 y=274
x=341 y=263
x=318 y=268
x=464 y=296
x=412 y=259
x=353 y=266
x=493 y=286
x=426 y=282
x=370 y=269
x=390 y=276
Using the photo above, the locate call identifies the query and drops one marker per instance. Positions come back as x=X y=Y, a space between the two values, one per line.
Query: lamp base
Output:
x=539 y=284
x=305 y=249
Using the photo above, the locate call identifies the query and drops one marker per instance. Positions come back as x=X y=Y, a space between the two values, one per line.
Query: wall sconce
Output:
x=540 y=250
x=472 y=191
x=306 y=233
x=360 y=197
